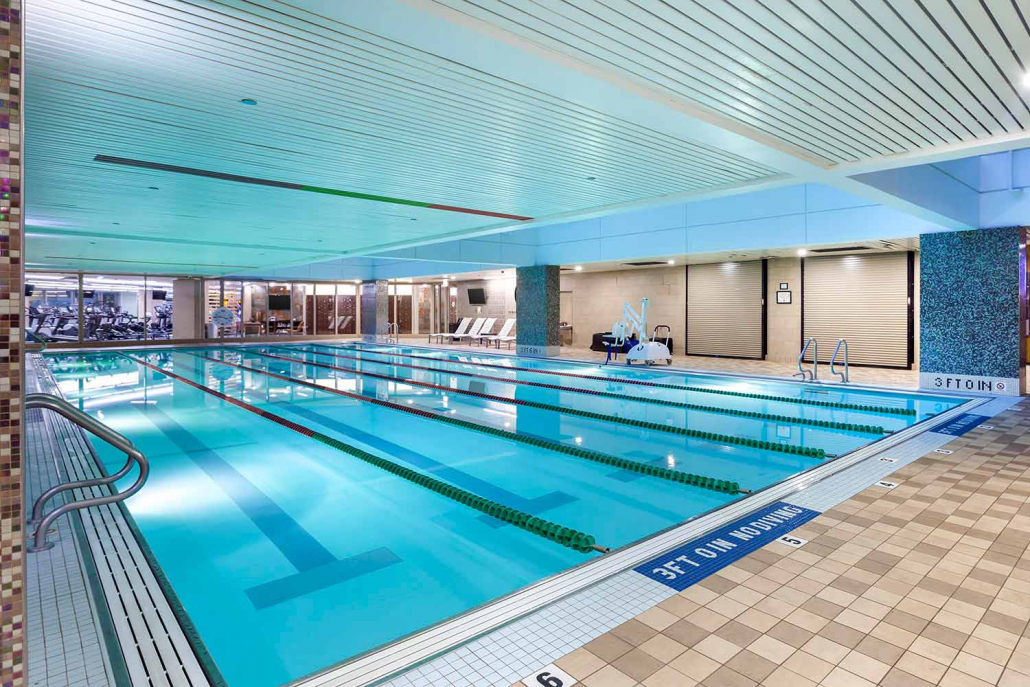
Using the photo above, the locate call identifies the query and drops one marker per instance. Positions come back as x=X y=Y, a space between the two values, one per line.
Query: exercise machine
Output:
x=630 y=334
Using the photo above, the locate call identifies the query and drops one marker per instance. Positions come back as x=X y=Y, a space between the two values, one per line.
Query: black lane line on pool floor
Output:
x=565 y=536
x=793 y=449
x=317 y=568
x=751 y=415
x=885 y=410
x=689 y=479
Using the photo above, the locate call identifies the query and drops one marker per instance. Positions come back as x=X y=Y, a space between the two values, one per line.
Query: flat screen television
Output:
x=88 y=294
x=477 y=296
x=160 y=295
x=29 y=288
x=281 y=302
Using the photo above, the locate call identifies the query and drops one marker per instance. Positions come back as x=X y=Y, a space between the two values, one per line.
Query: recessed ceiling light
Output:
x=153 y=188
x=249 y=101
x=116 y=223
x=802 y=252
x=578 y=268
x=591 y=178
x=672 y=262
x=1026 y=79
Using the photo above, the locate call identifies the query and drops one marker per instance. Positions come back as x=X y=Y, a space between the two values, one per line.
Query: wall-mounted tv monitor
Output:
x=29 y=288
x=477 y=296
x=88 y=294
x=281 y=302
x=160 y=295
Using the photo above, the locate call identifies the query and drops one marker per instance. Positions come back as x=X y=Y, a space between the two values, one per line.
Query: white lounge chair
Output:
x=503 y=335
x=463 y=328
x=463 y=324
x=476 y=333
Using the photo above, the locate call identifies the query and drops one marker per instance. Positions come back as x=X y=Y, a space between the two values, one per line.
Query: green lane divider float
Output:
x=573 y=539
x=886 y=410
x=750 y=414
x=643 y=424
x=723 y=486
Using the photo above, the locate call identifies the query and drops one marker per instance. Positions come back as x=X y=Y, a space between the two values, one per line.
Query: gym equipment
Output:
x=643 y=349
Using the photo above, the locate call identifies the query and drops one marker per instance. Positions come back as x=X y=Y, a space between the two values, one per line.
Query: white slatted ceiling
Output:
x=861 y=298
x=724 y=309
x=843 y=80
x=339 y=107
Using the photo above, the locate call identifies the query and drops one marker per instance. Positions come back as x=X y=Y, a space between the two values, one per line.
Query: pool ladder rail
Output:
x=102 y=431
x=392 y=333
x=813 y=373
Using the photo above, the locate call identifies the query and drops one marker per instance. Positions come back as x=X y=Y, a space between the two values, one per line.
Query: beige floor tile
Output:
x=669 y=677
x=806 y=664
x=707 y=619
x=942 y=653
x=663 y=648
x=607 y=647
x=956 y=678
x=679 y=606
x=694 y=665
x=921 y=667
x=977 y=667
x=580 y=663
x=823 y=648
x=717 y=648
x=657 y=618
x=782 y=677
x=864 y=666
x=771 y=649
x=757 y=620
x=638 y=664
x=609 y=676
x=839 y=677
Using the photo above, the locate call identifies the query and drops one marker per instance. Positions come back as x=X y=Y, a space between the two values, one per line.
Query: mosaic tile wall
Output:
x=538 y=304
x=374 y=309
x=12 y=573
x=969 y=310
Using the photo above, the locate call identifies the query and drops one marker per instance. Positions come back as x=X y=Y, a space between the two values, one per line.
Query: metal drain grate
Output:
x=154 y=646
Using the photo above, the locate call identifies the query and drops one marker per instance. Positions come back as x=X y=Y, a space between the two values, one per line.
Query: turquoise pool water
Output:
x=290 y=554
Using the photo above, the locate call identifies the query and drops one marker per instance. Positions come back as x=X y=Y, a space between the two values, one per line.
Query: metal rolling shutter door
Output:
x=861 y=298
x=724 y=309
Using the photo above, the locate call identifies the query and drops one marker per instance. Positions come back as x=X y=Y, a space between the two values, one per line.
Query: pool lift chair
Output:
x=646 y=350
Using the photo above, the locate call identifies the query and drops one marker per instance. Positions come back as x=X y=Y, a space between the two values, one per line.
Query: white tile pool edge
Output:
x=391 y=660
x=154 y=647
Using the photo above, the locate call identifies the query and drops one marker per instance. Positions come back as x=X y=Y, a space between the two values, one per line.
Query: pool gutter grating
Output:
x=154 y=646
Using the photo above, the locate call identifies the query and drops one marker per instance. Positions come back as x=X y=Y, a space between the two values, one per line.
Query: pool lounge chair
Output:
x=474 y=333
x=503 y=335
x=463 y=328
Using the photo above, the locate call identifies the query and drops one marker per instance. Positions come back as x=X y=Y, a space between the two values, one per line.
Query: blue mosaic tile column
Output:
x=375 y=310
x=972 y=310
x=537 y=307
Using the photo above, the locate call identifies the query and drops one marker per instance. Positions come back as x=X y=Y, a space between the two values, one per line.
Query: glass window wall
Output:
x=52 y=306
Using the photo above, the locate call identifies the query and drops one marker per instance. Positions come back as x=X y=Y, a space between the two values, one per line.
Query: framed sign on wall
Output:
x=783 y=297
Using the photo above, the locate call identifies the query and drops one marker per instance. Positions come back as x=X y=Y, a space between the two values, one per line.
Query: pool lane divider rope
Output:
x=750 y=414
x=886 y=410
x=643 y=424
x=573 y=539
x=700 y=481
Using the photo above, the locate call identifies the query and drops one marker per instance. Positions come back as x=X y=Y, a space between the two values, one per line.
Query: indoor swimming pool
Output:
x=309 y=502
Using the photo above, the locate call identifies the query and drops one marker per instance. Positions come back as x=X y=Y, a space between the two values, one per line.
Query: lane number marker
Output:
x=550 y=676
x=986 y=426
x=790 y=540
x=886 y=485
x=888 y=460
x=943 y=451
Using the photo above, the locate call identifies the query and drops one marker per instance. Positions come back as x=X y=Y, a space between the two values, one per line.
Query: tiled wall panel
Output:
x=12 y=666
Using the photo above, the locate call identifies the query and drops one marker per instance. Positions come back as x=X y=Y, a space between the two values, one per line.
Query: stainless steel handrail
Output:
x=392 y=326
x=814 y=372
x=39 y=339
x=843 y=375
x=98 y=429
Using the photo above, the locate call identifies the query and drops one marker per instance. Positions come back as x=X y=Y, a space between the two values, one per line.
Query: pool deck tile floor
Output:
x=924 y=584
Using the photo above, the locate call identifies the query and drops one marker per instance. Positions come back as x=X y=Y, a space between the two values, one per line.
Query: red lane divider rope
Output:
x=565 y=536
x=886 y=410
x=724 y=486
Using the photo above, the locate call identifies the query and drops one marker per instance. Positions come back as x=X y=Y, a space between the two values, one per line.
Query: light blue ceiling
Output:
x=337 y=107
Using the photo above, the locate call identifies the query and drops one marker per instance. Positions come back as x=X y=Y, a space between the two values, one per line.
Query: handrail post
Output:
x=844 y=376
x=102 y=431
x=814 y=372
